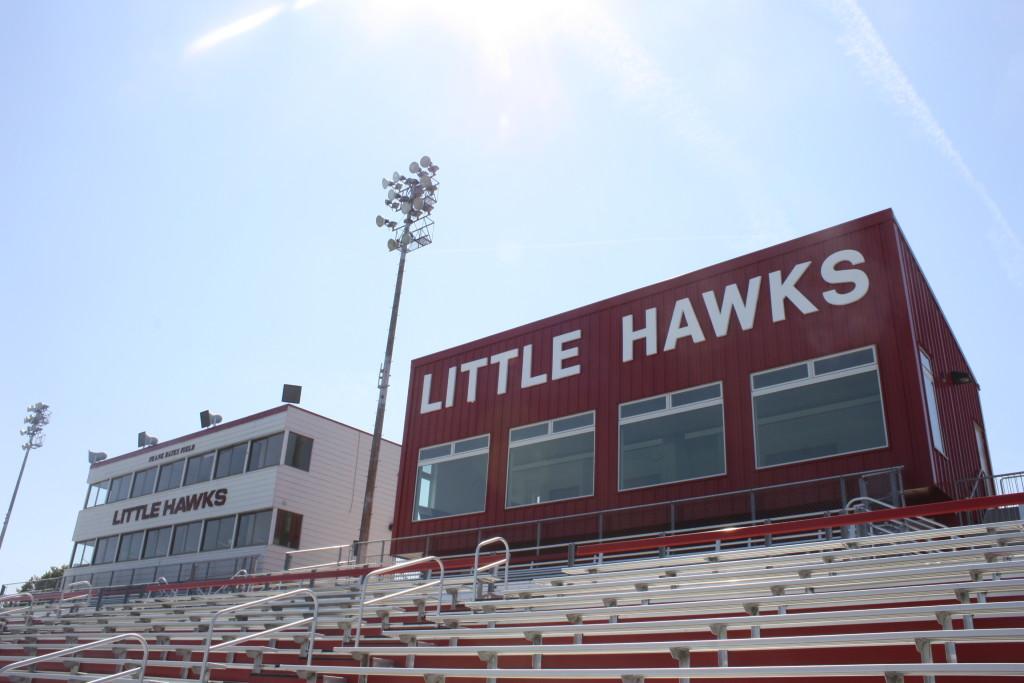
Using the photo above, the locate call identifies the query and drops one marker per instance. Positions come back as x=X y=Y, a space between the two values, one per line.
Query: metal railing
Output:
x=743 y=506
x=18 y=597
x=865 y=503
x=395 y=569
x=336 y=563
x=493 y=566
x=70 y=587
x=141 y=670
x=208 y=646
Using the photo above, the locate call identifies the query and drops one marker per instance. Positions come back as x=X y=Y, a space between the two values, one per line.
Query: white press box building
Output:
x=235 y=496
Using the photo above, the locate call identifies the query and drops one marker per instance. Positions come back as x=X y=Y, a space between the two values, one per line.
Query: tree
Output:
x=45 y=582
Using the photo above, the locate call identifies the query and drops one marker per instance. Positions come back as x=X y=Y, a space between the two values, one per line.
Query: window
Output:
x=551 y=461
x=932 y=402
x=820 y=408
x=452 y=479
x=97 y=493
x=300 y=449
x=288 y=529
x=199 y=469
x=170 y=475
x=186 y=538
x=218 y=533
x=253 y=528
x=158 y=542
x=670 y=438
x=131 y=547
x=145 y=481
x=230 y=461
x=120 y=488
x=266 y=452
x=106 y=550
x=83 y=553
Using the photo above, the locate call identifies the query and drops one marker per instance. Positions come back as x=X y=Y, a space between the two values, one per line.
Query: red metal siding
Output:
x=880 y=318
x=959 y=404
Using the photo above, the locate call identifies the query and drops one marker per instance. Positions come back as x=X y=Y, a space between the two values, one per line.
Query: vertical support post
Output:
x=924 y=647
x=682 y=657
x=946 y=621
x=721 y=633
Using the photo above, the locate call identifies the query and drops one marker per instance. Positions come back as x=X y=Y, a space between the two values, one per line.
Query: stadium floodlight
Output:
x=37 y=418
x=415 y=199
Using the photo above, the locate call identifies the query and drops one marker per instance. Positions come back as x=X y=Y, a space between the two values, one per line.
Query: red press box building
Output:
x=789 y=380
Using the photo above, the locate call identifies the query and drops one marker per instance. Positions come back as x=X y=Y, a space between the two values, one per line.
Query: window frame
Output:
x=157 y=530
x=213 y=466
x=550 y=436
x=924 y=359
x=287 y=443
x=115 y=541
x=665 y=412
x=141 y=535
x=206 y=527
x=183 y=462
x=155 y=469
x=236 y=532
x=174 y=535
x=452 y=455
x=250 y=453
x=89 y=493
x=809 y=380
x=231 y=450
x=130 y=477
x=278 y=517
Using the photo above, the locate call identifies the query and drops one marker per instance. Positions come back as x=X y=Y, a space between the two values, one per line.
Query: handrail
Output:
x=392 y=569
x=11 y=598
x=813 y=524
x=208 y=644
x=288 y=556
x=476 y=562
x=861 y=500
x=32 y=661
x=71 y=586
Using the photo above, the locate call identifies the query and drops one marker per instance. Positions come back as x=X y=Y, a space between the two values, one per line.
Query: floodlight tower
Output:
x=37 y=418
x=414 y=197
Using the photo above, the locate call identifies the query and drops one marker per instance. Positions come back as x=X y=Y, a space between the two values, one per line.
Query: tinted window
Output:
x=288 y=529
x=186 y=538
x=145 y=481
x=299 y=452
x=230 y=461
x=253 y=529
x=120 y=488
x=158 y=542
x=131 y=547
x=265 y=452
x=217 y=535
x=199 y=469
x=106 y=550
x=98 y=493
x=170 y=475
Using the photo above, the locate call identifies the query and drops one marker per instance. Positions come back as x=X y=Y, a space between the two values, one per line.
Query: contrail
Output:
x=234 y=29
x=864 y=43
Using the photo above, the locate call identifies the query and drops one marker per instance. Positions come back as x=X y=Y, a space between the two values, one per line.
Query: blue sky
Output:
x=188 y=189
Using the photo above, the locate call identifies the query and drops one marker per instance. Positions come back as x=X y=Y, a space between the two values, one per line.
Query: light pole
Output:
x=38 y=417
x=414 y=197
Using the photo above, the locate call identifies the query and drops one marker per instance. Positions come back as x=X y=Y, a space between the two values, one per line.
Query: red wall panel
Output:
x=881 y=318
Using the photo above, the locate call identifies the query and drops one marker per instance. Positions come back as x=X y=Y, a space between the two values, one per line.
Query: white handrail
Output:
x=494 y=565
x=392 y=569
x=208 y=645
x=71 y=586
x=32 y=661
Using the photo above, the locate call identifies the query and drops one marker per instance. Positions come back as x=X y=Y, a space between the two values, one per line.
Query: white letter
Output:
x=470 y=368
x=559 y=353
x=781 y=290
x=502 y=360
x=449 y=396
x=731 y=301
x=525 y=379
x=854 y=276
x=648 y=333
x=676 y=329
x=425 y=405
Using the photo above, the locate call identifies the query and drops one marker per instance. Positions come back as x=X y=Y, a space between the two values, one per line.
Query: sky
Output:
x=188 y=190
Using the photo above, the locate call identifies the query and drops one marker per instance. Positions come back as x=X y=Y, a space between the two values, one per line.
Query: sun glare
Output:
x=234 y=29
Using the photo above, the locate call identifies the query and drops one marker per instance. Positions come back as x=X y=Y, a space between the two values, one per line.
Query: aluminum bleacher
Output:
x=859 y=597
